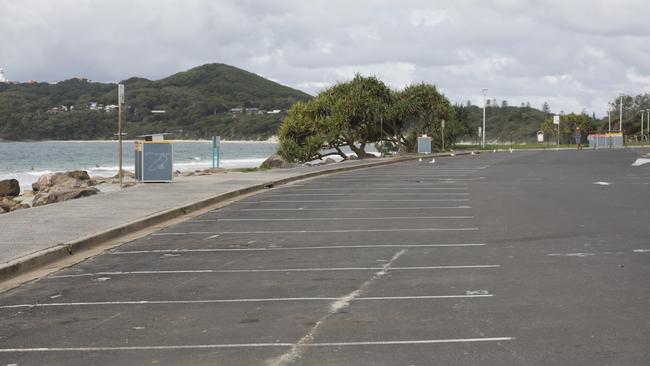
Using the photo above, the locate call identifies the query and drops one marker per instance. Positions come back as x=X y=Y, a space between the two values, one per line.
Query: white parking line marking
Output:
x=269 y=249
x=348 y=200
x=342 y=231
x=365 y=189
x=191 y=233
x=230 y=301
x=351 y=208
x=343 y=218
x=251 y=345
x=316 y=231
x=365 y=193
x=208 y=271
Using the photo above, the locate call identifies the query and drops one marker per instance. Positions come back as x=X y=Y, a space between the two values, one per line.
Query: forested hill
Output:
x=213 y=99
x=504 y=123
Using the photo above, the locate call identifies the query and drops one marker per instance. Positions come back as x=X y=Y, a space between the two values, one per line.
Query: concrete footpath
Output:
x=40 y=235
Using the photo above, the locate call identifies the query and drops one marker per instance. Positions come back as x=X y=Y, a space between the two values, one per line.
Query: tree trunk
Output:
x=359 y=151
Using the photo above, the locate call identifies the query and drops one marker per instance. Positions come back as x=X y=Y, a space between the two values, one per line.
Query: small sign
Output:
x=480 y=130
x=556 y=120
x=443 y=123
x=120 y=93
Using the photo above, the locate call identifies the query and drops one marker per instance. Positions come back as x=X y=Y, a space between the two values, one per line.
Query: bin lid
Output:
x=154 y=136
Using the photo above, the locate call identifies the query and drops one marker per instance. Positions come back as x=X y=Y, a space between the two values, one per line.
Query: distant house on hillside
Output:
x=236 y=110
x=94 y=106
x=275 y=111
x=57 y=110
x=110 y=108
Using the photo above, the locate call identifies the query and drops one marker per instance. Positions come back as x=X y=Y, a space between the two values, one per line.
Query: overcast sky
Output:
x=574 y=54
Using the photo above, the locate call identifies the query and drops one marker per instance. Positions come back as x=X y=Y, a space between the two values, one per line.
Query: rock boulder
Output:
x=276 y=161
x=9 y=187
x=7 y=204
x=63 y=195
x=125 y=174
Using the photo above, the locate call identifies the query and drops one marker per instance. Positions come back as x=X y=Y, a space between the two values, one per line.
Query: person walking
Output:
x=578 y=137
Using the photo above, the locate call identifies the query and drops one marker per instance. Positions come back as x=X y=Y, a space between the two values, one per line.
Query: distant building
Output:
x=57 y=110
x=236 y=110
x=110 y=108
x=275 y=111
x=252 y=110
x=94 y=106
x=3 y=78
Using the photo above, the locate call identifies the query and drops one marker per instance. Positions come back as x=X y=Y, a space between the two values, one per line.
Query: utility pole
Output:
x=120 y=101
x=484 y=90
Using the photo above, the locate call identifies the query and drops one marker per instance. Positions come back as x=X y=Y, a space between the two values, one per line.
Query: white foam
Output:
x=26 y=178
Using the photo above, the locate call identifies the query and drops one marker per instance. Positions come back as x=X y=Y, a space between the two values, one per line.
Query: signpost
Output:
x=120 y=101
x=216 y=143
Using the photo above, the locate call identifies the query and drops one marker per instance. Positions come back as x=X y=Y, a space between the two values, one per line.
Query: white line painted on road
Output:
x=343 y=218
x=570 y=254
x=230 y=301
x=209 y=271
x=641 y=250
x=373 y=194
x=602 y=183
x=365 y=189
x=353 y=208
x=270 y=249
x=348 y=200
x=317 y=231
x=342 y=231
x=252 y=345
x=214 y=234
x=640 y=161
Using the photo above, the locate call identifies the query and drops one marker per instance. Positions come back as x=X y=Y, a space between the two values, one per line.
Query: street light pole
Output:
x=620 y=121
x=642 y=112
x=609 y=118
x=484 y=90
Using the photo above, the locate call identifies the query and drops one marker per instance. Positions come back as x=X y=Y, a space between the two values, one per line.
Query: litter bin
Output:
x=424 y=144
x=154 y=159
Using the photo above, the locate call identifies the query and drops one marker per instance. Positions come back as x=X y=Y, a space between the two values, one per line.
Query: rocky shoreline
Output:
x=64 y=186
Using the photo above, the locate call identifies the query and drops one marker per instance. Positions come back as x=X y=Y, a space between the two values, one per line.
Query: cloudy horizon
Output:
x=575 y=55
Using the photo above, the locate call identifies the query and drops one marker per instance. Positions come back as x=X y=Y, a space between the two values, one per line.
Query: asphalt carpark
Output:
x=524 y=258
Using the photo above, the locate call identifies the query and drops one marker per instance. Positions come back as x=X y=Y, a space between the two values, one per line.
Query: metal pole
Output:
x=443 y=134
x=609 y=117
x=484 y=90
x=558 y=133
x=214 y=143
x=120 y=96
x=620 y=121
x=642 y=124
x=381 y=138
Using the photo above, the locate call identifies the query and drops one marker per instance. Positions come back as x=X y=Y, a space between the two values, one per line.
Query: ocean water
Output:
x=26 y=161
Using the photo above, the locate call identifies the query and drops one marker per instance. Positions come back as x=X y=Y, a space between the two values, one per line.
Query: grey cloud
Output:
x=575 y=54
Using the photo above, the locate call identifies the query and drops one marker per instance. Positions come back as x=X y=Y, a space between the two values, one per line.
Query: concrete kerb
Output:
x=40 y=258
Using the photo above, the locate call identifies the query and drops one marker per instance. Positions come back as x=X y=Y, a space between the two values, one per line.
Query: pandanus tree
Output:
x=364 y=111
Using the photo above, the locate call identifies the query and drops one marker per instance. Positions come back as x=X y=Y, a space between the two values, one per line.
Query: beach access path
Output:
x=38 y=235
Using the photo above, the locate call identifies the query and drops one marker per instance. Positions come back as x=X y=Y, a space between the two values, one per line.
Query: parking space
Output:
x=409 y=264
